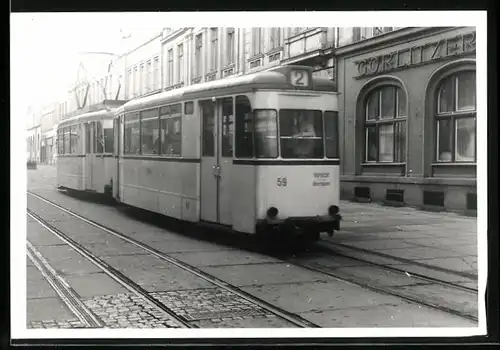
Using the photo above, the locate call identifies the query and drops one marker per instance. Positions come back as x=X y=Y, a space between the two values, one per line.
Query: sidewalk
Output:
x=444 y=240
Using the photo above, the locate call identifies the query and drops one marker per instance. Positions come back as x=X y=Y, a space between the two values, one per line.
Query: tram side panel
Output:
x=243 y=181
x=70 y=172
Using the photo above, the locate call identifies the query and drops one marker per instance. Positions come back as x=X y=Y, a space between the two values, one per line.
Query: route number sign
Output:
x=299 y=78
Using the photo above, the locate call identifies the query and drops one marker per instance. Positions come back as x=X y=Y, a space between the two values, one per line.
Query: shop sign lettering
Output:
x=417 y=55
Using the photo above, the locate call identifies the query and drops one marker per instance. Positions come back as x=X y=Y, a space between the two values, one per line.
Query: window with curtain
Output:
x=455 y=123
x=170 y=68
x=230 y=46
x=385 y=125
x=180 y=63
x=256 y=41
x=214 y=54
x=275 y=39
x=197 y=55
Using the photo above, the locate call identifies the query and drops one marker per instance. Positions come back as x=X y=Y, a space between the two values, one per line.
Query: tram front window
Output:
x=301 y=133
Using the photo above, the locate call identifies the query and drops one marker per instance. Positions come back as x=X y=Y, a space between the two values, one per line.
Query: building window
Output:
x=230 y=46
x=456 y=118
x=180 y=63
x=101 y=90
x=214 y=39
x=130 y=84
x=170 y=67
x=356 y=34
x=136 y=82
x=275 y=38
x=156 y=75
x=150 y=77
x=256 y=41
x=385 y=125
x=197 y=54
x=143 y=81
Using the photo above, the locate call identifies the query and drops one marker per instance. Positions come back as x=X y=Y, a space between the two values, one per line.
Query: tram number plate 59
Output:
x=299 y=78
x=281 y=181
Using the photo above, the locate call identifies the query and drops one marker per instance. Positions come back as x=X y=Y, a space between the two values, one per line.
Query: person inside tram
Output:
x=304 y=132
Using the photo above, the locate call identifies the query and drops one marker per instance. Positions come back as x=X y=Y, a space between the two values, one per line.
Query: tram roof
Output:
x=86 y=117
x=276 y=78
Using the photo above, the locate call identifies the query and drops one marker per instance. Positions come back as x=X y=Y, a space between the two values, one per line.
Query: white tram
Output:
x=256 y=153
x=85 y=152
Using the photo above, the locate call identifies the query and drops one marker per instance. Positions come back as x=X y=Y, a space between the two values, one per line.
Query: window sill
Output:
x=454 y=164
x=255 y=57
x=382 y=164
x=275 y=50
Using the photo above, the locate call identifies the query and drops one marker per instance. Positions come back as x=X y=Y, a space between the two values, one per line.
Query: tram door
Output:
x=216 y=160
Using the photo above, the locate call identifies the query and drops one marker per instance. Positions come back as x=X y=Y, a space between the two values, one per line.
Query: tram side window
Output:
x=67 y=148
x=132 y=135
x=265 y=133
x=188 y=108
x=108 y=140
x=150 y=132
x=98 y=138
x=87 y=137
x=227 y=127
x=74 y=139
x=244 y=128
x=301 y=133
x=332 y=134
x=60 y=141
x=208 y=139
x=171 y=130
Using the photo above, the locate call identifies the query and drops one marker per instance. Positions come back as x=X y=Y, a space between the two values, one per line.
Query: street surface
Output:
x=161 y=293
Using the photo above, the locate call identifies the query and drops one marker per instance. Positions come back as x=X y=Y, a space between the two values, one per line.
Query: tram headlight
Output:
x=333 y=210
x=272 y=212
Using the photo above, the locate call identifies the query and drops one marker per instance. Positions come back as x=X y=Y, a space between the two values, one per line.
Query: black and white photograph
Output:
x=210 y=175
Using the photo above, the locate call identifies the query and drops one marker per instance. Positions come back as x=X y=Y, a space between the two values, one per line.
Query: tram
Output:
x=85 y=152
x=257 y=154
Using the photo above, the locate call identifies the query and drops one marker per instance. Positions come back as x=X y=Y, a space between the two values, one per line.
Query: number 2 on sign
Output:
x=281 y=181
x=299 y=78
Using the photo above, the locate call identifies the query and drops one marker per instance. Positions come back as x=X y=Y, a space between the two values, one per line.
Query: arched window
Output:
x=385 y=125
x=456 y=118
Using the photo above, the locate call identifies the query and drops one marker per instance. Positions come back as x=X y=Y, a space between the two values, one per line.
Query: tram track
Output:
x=426 y=284
x=402 y=260
x=294 y=319
x=108 y=269
x=424 y=296
x=400 y=271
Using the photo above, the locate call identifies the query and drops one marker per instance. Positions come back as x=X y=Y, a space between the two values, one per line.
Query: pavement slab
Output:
x=386 y=316
x=231 y=257
x=94 y=284
x=154 y=274
x=262 y=274
x=315 y=296
x=47 y=309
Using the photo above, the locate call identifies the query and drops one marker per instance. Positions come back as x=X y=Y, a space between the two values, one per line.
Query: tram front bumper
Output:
x=326 y=223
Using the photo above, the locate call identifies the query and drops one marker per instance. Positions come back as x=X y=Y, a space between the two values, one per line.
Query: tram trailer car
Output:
x=257 y=154
x=85 y=152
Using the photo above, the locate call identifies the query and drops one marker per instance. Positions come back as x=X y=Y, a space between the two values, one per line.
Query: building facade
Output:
x=408 y=115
